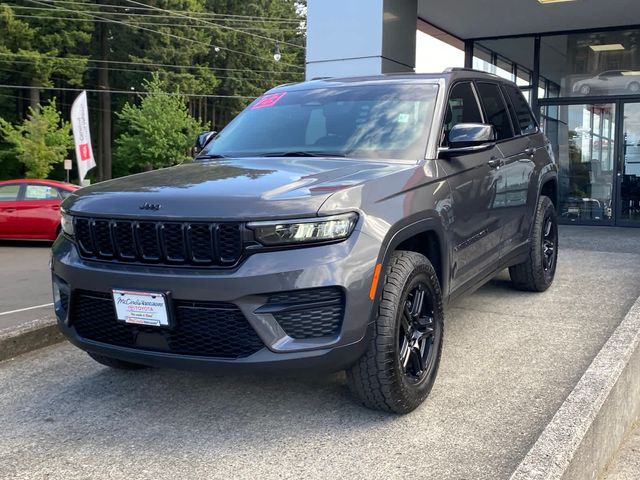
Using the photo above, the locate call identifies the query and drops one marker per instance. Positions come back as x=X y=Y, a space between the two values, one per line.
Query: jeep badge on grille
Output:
x=150 y=206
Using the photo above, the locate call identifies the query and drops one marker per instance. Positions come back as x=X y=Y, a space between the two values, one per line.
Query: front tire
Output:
x=537 y=272
x=115 y=363
x=398 y=370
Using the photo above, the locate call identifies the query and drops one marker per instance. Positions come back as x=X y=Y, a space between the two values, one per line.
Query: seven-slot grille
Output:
x=157 y=242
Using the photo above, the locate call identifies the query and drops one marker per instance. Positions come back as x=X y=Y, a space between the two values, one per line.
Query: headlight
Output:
x=321 y=229
x=66 y=222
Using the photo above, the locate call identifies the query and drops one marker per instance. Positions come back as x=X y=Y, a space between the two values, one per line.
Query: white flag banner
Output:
x=82 y=135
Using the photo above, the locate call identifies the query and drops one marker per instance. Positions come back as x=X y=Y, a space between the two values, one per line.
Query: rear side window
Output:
x=462 y=107
x=41 y=192
x=496 y=109
x=9 y=193
x=523 y=116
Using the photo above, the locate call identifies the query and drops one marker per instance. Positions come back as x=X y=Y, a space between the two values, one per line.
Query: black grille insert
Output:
x=171 y=243
x=210 y=329
x=308 y=313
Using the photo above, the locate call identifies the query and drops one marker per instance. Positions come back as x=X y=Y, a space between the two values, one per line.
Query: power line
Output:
x=164 y=65
x=171 y=35
x=226 y=27
x=183 y=11
x=131 y=70
x=294 y=23
x=132 y=92
x=157 y=24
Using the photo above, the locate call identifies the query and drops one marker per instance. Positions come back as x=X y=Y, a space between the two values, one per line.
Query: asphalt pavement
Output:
x=510 y=359
x=24 y=282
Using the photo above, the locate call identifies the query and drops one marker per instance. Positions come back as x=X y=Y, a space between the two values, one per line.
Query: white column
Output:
x=360 y=37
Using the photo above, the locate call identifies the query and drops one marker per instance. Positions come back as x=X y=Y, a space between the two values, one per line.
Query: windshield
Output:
x=374 y=121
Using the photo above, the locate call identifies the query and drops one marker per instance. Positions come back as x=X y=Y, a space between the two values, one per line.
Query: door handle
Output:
x=9 y=210
x=530 y=151
x=495 y=162
x=55 y=207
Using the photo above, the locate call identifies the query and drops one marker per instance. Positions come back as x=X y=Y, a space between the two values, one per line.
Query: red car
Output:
x=30 y=209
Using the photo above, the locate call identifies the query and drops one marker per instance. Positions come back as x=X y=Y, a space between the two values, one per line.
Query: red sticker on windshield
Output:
x=268 y=100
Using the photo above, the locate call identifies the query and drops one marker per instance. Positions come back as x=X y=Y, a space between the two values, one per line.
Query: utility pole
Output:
x=104 y=165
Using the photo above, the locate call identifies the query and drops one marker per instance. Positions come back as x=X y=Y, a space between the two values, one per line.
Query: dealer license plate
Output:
x=142 y=308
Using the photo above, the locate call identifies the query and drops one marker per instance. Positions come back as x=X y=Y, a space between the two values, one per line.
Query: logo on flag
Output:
x=82 y=135
x=85 y=151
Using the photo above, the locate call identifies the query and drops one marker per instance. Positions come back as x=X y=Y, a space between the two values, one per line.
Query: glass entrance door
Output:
x=584 y=141
x=629 y=167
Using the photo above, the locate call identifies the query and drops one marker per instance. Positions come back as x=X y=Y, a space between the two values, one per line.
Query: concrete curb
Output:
x=30 y=336
x=588 y=428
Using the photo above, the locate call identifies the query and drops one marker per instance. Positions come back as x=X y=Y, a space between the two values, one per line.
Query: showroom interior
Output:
x=576 y=61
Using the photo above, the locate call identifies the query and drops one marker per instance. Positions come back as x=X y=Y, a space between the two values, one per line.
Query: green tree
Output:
x=42 y=140
x=39 y=43
x=159 y=132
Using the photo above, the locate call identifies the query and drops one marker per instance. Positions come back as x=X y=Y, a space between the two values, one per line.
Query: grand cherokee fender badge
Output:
x=150 y=206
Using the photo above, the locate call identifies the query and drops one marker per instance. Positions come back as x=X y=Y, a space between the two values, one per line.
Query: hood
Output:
x=241 y=189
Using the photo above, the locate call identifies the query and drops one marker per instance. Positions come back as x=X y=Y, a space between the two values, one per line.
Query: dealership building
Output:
x=577 y=62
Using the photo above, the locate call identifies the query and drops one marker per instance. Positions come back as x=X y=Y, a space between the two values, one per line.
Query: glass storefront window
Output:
x=504 y=69
x=523 y=77
x=597 y=63
x=583 y=140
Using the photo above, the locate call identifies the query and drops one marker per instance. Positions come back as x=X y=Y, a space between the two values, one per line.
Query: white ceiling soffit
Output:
x=468 y=19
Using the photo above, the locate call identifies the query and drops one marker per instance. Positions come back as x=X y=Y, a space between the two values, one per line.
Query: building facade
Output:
x=577 y=61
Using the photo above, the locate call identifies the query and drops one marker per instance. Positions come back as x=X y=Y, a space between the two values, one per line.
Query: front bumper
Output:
x=347 y=265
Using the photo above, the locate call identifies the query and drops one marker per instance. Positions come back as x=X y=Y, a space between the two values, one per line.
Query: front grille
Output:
x=308 y=313
x=171 y=243
x=209 y=329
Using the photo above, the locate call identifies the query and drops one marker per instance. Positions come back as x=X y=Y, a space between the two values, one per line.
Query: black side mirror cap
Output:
x=202 y=141
x=467 y=138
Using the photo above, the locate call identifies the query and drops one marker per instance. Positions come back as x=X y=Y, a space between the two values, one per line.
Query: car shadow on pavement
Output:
x=241 y=407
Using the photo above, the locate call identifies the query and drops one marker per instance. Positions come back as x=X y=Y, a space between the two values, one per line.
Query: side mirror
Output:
x=202 y=140
x=468 y=138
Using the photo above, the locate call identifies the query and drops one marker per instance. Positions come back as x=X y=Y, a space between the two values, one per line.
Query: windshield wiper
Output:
x=302 y=153
x=211 y=155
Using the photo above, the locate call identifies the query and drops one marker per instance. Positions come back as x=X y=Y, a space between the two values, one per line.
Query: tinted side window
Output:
x=524 y=117
x=9 y=193
x=496 y=110
x=462 y=107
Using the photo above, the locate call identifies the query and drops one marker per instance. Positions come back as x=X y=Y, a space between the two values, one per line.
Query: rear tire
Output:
x=115 y=363
x=537 y=272
x=398 y=370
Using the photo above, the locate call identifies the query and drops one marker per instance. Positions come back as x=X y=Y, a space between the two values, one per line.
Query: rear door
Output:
x=521 y=178
x=473 y=179
x=513 y=183
x=9 y=194
x=39 y=211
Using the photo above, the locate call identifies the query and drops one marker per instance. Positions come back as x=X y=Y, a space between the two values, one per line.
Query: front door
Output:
x=473 y=178
x=628 y=175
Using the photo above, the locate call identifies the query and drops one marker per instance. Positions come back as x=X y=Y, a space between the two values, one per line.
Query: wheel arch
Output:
x=549 y=188
x=427 y=237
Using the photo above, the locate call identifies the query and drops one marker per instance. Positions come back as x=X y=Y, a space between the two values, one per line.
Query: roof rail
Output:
x=320 y=78
x=464 y=69
x=461 y=69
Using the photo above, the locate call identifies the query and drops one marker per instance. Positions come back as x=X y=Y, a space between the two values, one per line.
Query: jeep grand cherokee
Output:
x=322 y=229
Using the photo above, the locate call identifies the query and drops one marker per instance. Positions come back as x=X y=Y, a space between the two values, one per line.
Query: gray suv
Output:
x=323 y=229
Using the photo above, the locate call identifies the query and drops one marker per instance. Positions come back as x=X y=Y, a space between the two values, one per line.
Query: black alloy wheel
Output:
x=549 y=240
x=416 y=351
